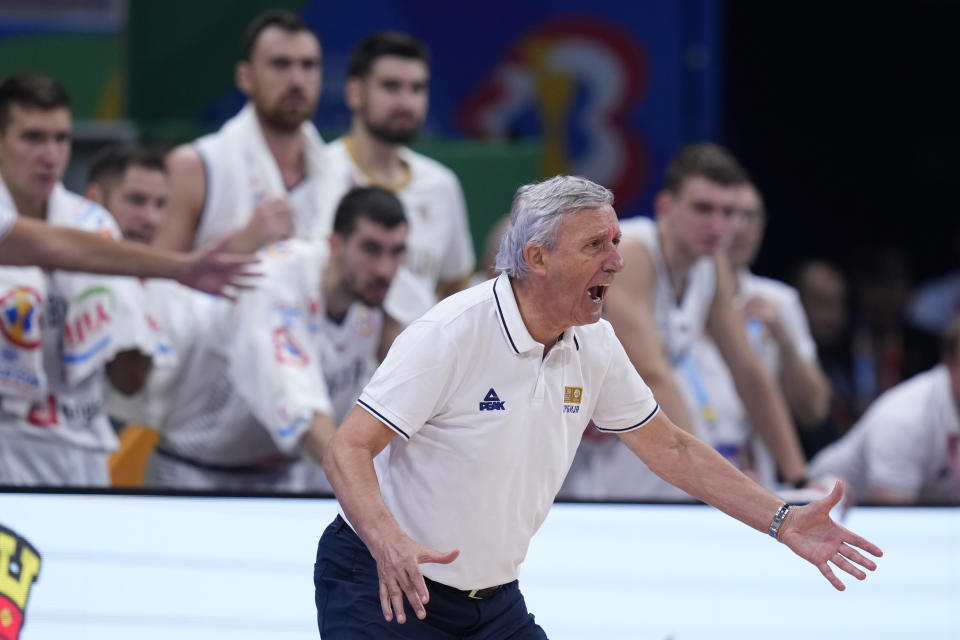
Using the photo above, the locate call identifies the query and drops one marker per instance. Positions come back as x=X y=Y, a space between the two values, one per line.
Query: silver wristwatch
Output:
x=778 y=519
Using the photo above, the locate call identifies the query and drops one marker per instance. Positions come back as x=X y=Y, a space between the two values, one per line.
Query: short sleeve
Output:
x=459 y=259
x=411 y=384
x=894 y=451
x=273 y=352
x=625 y=402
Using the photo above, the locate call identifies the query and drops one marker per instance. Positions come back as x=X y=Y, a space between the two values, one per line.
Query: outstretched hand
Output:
x=814 y=536
x=398 y=569
x=211 y=270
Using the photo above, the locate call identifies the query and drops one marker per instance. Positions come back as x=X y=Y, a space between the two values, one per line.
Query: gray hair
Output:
x=536 y=213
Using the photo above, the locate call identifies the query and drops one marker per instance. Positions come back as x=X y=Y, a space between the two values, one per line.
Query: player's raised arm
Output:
x=211 y=270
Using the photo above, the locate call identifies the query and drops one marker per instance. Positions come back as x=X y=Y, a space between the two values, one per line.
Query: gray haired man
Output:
x=489 y=393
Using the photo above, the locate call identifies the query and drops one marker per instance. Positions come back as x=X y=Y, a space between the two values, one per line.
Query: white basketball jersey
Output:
x=348 y=355
x=679 y=322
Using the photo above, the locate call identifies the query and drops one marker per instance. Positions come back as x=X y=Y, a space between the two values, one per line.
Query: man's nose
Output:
x=614 y=263
x=49 y=151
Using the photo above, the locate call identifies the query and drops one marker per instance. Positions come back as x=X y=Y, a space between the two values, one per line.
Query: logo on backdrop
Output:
x=19 y=568
x=573 y=82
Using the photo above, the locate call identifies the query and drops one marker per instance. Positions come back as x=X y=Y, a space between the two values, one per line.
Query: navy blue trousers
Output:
x=348 y=601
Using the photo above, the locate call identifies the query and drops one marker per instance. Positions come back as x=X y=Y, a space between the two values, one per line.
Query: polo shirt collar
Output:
x=511 y=322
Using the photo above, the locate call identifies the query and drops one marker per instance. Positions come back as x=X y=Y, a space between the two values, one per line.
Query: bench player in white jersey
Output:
x=675 y=285
x=906 y=447
x=258 y=179
x=288 y=358
x=60 y=331
x=387 y=92
x=780 y=336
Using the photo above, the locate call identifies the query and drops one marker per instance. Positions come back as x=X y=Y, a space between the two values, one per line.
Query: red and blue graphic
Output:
x=20 y=314
x=287 y=350
x=576 y=81
x=611 y=89
x=87 y=331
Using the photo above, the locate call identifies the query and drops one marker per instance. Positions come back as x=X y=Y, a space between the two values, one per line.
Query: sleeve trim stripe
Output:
x=639 y=424
x=383 y=419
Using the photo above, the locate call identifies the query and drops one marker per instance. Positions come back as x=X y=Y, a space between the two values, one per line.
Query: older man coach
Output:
x=463 y=437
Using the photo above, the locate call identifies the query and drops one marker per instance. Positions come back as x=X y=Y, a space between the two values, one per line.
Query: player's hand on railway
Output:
x=272 y=220
x=398 y=561
x=810 y=532
x=212 y=270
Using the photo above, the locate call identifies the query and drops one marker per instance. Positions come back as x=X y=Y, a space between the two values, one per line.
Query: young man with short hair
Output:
x=258 y=179
x=675 y=285
x=387 y=91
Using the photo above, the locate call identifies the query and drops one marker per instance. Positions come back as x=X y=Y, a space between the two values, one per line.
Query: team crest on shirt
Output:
x=20 y=310
x=19 y=568
x=571 y=399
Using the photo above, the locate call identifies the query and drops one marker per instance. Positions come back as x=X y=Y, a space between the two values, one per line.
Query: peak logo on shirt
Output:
x=492 y=402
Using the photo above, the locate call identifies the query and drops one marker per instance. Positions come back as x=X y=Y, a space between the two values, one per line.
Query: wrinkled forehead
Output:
x=590 y=222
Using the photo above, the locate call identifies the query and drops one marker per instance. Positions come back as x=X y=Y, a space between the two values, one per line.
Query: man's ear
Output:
x=95 y=192
x=351 y=92
x=662 y=203
x=536 y=257
x=241 y=75
x=335 y=241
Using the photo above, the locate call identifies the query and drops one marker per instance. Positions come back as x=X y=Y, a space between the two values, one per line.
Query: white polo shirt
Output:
x=488 y=426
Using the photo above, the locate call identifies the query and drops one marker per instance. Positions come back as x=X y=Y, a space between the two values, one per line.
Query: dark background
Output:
x=846 y=114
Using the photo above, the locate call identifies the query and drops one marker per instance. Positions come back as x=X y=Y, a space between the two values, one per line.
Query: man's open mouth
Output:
x=597 y=292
